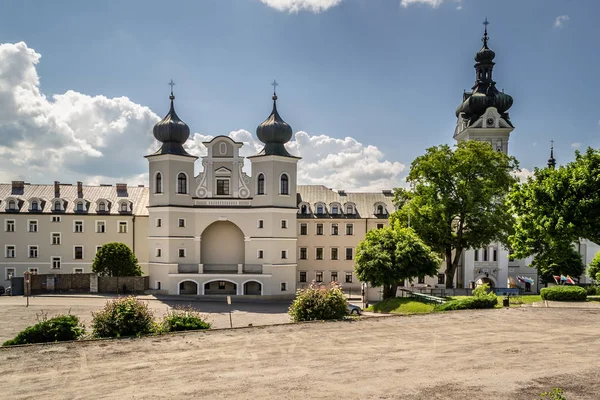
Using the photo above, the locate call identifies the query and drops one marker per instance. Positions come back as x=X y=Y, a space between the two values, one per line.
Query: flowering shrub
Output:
x=319 y=303
x=126 y=316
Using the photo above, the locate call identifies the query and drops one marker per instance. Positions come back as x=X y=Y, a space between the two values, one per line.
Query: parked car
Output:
x=354 y=310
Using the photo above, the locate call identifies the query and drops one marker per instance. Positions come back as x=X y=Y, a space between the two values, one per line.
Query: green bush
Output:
x=56 y=329
x=183 y=319
x=564 y=293
x=125 y=316
x=480 y=299
x=317 y=303
x=592 y=290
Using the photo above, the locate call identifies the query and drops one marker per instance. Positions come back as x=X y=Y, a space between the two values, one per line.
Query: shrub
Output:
x=319 y=303
x=480 y=299
x=125 y=316
x=555 y=394
x=183 y=319
x=56 y=329
x=564 y=293
x=592 y=290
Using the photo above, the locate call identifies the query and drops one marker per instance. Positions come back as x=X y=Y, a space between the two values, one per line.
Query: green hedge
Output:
x=592 y=290
x=125 y=316
x=564 y=293
x=469 y=303
x=319 y=303
x=183 y=319
x=57 y=329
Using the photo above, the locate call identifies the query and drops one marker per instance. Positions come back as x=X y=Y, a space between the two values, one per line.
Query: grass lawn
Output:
x=593 y=298
x=402 y=305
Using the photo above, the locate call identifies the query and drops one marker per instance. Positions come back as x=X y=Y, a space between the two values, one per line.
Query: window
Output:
x=421 y=280
x=485 y=254
x=10 y=251
x=12 y=205
x=158 y=222
x=55 y=238
x=304 y=209
x=260 y=184
x=379 y=226
x=100 y=227
x=78 y=252
x=79 y=206
x=102 y=206
x=495 y=255
x=334 y=276
x=349 y=229
x=98 y=249
x=33 y=271
x=303 y=229
x=261 y=224
x=158 y=182
x=319 y=229
x=261 y=254
x=348 y=277
x=302 y=276
x=35 y=206
x=303 y=253
x=221 y=285
x=124 y=207
x=10 y=225
x=33 y=226
x=55 y=262
x=334 y=229
x=57 y=205
x=441 y=279
x=476 y=251
x=335 y=209
x=158 y=252
x=182 y=183
x=284 y=254
x=33 y=252
x=182 y=222
x=319 y=276
x=181 y=253
x=283 y=224
x=283 y=286
x=222 y=187
x=78 y=226
x=320 y=209
x=334 y=253
x=285 y=185
x=380 y=210
x=9 y=273
x=349 y=253
x=78 y=270
x=319 y=253
x=349 y=209
x=55 y=218
x=122 y=226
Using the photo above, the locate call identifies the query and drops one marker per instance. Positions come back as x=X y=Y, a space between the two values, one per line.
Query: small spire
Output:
x=171 y=83
x=485 y=34
x=274 y=84
x=551 y=160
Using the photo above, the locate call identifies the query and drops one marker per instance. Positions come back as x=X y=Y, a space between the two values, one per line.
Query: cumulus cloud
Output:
x=432 y=3
x=560 y=21
x=523 y=174
x=73 y=136
x=315 y=6
x=336 y=163
x=576 y=145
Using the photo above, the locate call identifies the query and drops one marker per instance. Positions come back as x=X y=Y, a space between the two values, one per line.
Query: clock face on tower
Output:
x=490 y=122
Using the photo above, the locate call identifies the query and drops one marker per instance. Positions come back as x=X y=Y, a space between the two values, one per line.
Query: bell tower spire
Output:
x=551 y=160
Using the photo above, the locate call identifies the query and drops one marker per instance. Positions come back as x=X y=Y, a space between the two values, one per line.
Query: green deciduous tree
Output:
x=562 y=260
x=556 y=207
x=594 y=268
x=116 y=259
x=458 y=199
x=387 y=256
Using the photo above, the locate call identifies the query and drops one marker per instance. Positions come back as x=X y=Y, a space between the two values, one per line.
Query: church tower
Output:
x=483 y=113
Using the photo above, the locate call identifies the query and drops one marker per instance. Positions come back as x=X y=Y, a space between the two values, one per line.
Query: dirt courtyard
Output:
x=490 y=354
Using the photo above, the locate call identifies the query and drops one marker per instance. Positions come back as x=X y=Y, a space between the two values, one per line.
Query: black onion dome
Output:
x=274 y=132
x=172 y=132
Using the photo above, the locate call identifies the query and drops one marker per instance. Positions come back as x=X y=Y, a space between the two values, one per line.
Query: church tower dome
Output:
x=274 y=132
x=552 y=160
x=172 y=132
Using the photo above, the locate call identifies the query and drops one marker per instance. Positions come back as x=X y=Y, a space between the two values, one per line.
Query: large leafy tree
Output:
x=457 y=199
x=594 y=268
x=562 y=260
x=388 y=256
x=116 y=259
x=556 y=207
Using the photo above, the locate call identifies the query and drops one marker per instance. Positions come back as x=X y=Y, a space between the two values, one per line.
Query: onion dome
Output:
x=172 y=132
x=274 y=132
x=485 y=54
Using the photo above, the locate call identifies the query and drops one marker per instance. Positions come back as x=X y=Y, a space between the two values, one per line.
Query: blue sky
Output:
x=385 y=74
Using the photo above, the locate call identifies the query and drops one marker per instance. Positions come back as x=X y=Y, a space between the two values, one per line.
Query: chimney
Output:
x=79 y=189
x=17 y=187
x=56 y=189
x=121 y=189
x=388 y=192
x=341 y=192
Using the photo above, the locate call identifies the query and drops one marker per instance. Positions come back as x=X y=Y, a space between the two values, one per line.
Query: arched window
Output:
x=349 y=209
x=124 y=207
x=34 y=205
x=334 y=209
x=260 y=184
x=380 y=210
x=12 y=205
x=102 y=206
x=181 y=183
x=80 y=206
x=57 y=205
x=158 y=182
x=285 y=184
x=304 y=209
x=319 y=209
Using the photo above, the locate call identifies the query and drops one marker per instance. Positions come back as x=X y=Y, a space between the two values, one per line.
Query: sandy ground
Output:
x=490 y=354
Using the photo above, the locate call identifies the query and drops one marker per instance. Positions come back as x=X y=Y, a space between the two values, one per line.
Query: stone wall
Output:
x=125 y=284
x=80 y=283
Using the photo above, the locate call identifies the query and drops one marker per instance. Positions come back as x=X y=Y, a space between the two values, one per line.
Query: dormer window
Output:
x=181 y=183
x=320 y=209
x=35 y=206
x=284 y=184
x=158 y=182
x=12 y=205
x=349 y=209
x=57 y=205
x=335 y=209
x=124 y=207
x=79 y=206
x=304 y=209
x=380 y=210
x=102 y=206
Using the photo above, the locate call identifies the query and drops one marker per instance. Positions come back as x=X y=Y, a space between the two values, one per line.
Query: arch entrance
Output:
x=222 y=247
x=253 y=288
x=188 y=287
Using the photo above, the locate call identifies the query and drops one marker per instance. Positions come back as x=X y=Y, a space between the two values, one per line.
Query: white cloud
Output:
x=432 y=3
x=523 y=174
x=291 y=6
x=576 y=145
x=560 y=21
x=73 y=136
